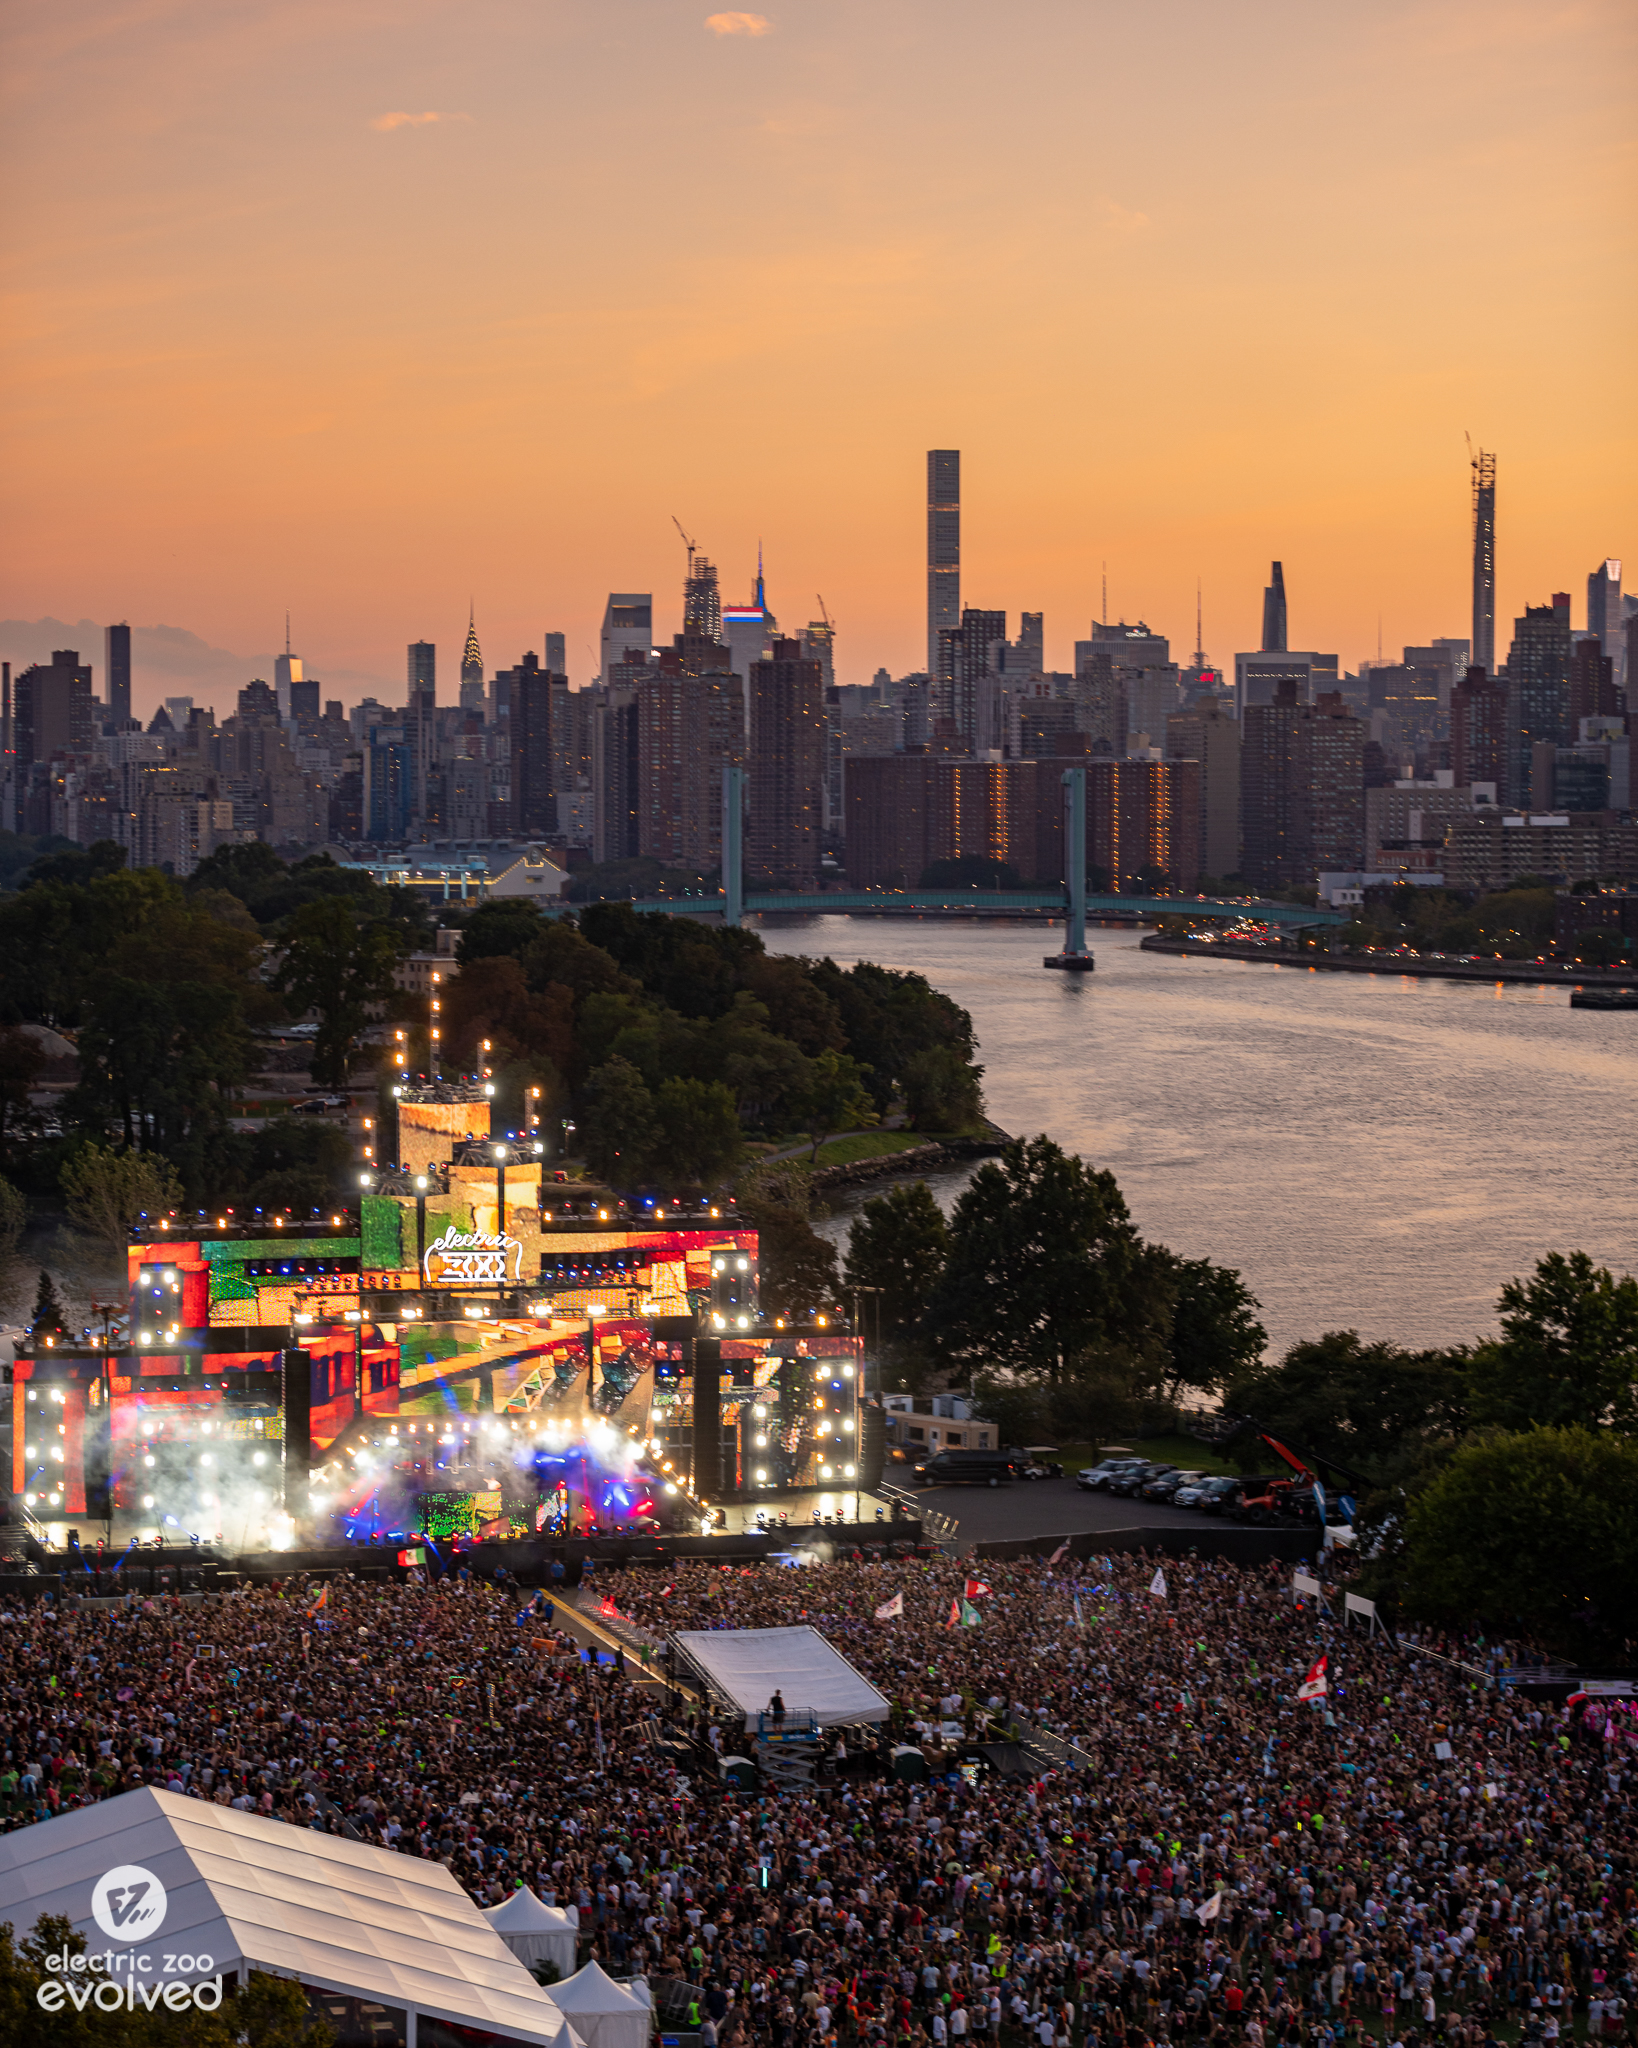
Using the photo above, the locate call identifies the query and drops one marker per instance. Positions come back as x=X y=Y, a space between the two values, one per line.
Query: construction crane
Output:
x=691 y=545
x=830 y=623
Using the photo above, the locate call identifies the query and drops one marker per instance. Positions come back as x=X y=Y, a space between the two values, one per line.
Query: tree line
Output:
x=1495 y=1481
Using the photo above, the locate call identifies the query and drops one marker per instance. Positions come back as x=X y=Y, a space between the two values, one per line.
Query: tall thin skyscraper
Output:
x=287 y=669
x=472 y=692
x=702 y=598
x=1274 y=626
x=1606 y=615
x=423 y=668
x=628 y=621
x=556 y=654
x=119 y=669
x=1484 y=562
x=943 y=548
x=421 y=730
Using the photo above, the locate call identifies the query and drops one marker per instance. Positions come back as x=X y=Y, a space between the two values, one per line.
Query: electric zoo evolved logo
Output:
x=129 y=1904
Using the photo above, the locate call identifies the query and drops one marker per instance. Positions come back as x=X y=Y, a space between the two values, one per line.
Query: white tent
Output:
x=536 y=1932
x=154 y=1877
x=604 y=2014
x=750 y=1664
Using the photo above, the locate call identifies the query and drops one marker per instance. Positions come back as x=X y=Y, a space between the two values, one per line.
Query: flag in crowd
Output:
x=1157 y=1585
x=1313 y=1686
x=890 y=1610
x=975 y=1589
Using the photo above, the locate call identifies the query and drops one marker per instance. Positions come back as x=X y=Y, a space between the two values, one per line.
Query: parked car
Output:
x=1094 y=1478
x=1166 y=1486
x=1222 y=1496
x=1132 y=1483
x=965 y=1468
x=1035 y=1461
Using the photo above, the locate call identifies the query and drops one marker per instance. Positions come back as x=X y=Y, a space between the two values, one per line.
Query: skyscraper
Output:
x=943 y=548
x=1538 y=688
x=554 y=653
x=118 y=662
x=1274 y=628
x=1302 y=789
x=286 y=670
x=420 y=729
x=1484 y=561
x=787 y=770
x=702 y=600
x=534 y=778
x=748 y=630
x=51 y=709
x=472 y=693
x=628 y=621
x=1478 y=732
x=1606 y=615
x=968 y=674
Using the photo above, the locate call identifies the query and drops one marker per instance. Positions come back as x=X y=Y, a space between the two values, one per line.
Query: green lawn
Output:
x=871 y=1145
x=1186 y=1451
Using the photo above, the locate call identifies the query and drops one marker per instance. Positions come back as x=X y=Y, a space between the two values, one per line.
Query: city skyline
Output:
x=284 y=339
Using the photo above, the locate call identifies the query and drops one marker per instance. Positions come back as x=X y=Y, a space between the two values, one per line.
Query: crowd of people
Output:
x=1193 y=1853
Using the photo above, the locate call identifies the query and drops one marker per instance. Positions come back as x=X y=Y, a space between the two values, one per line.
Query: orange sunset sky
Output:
x=363 y=307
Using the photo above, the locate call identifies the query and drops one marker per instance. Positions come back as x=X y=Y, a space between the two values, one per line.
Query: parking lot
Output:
x=1048 y=1507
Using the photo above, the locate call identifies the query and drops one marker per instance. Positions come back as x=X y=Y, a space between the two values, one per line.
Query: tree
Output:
x=831 y=1097
x=1215 y=1334
x=619 y=1127
x=21 y=1058
x=896 y=1247
x=1538 y=1527
x=941 y=1091
x=1044 y=1268
x=1568 y=1353
x=1374 y=1408
x=47 y=1320
x=13 y=1215
x=696 y=1130
x=342 y=971
x=796 y=1267
x=107 y=1190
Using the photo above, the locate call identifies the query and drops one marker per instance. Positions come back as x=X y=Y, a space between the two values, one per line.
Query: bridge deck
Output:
x=993 y=900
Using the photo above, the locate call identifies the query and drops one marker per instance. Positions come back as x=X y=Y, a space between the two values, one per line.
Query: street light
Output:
x=421 y=1186
x=500 y=1186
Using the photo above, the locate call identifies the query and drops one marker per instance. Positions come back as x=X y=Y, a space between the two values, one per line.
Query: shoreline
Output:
x=1539 y=973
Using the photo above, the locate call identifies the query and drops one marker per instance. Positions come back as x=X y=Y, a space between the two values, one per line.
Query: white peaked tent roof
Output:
x=536 y=1932
x=342 y=1916
x=604 y=2014
x=812 y=1677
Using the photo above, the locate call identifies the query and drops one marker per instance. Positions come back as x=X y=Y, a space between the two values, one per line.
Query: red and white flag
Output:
x=890 y=1610
x=976 y=1589
x=1313 y=1686
x=953 y=1618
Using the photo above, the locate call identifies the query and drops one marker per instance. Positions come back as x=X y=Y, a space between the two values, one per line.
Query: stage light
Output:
x=847 y=1421
x=146 y=1461
x=847 y=1372
x=670 y=1487
x=849 y=1470
x=826 y=1473
x=761 y=1478
x=206 y=1459
x=147 y=1500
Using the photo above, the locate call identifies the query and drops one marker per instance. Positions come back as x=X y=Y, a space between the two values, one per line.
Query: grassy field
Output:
x=1186 y=1451
x=870 y=1145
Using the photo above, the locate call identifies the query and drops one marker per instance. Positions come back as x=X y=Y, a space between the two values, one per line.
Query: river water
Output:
x=1371 y=1151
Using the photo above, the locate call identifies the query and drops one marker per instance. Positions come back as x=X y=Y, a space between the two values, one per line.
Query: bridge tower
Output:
x=1074 y=958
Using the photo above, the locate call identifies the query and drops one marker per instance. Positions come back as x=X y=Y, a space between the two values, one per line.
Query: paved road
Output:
x=1047 y=1507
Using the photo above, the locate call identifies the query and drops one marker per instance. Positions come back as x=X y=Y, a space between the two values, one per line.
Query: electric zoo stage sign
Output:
x=129 y=1905
x=467 y=1258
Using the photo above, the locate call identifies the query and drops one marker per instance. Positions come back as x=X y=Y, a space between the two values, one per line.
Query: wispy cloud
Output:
x=384 y=124
x=738 y=24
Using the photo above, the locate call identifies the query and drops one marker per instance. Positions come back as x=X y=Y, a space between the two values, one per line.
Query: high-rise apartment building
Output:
x=1274 y=622
x=1606 y=616
x=628 y=621
x=1593 y=691
x=748 y=630
x=787 y=770
x=1479 y=733
x=52 y=709
x=1206 y=733
x=423 y=668
x=1538 y=688
x=616 y=793
x=968 y=673
x=534 y=767
x=472 y=689
x=554 y=653
x=1484 y=561
x=117 y=661
x=943 y=548
x=1302 y=790
x=304 y=701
